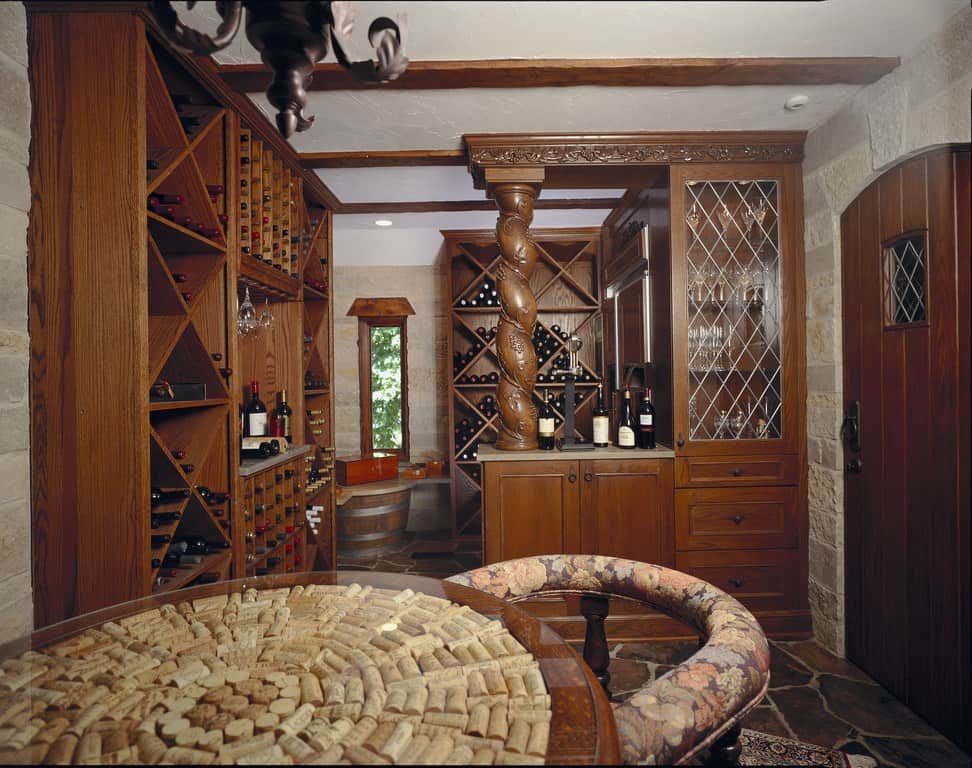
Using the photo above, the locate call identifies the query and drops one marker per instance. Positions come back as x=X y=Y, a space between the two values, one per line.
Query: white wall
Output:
x=923 y=103
x=16 y=605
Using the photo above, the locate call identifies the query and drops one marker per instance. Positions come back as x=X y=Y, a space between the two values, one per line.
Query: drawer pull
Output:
x=737 y=519
x=587 y=475
x=737 y=472
x=572 y=477
x=737 y=583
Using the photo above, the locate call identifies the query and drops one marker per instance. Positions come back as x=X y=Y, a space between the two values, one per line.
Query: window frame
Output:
x=365 y=324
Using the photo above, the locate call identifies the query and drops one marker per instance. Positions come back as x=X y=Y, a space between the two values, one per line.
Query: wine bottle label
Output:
x=647 y=420
x=546 y=427
x=626 y=437
x=601 y=430
x=257 y=424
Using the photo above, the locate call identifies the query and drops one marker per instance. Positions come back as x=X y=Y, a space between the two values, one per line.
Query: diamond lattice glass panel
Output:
x=904 y=281
x=735 y=330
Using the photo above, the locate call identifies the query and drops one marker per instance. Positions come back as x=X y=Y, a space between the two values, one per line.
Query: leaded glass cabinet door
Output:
x=734 y=284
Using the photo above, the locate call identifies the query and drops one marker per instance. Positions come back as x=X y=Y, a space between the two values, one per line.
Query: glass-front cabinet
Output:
x=733 y=289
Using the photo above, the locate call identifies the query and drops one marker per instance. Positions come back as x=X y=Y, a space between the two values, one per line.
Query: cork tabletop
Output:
x=304 y=668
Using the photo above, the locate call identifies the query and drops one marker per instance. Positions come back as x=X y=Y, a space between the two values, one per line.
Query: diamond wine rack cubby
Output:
x=565 y=283
x=734 y=341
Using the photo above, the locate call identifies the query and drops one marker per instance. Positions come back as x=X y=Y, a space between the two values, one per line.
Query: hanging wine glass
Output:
x=725 y=218
x=266 y=318
x=246 y=317
x=693 y=218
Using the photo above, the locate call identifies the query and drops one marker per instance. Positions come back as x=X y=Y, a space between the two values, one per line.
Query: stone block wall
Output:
x=16 y=605
x=922 y=103
x=428 y=372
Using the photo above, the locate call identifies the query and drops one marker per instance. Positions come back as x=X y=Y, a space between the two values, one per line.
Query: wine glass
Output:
x=246 y=318
x=266 y=318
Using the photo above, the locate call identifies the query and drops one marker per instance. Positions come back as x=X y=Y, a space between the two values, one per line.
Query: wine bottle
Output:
x=626 y=425
x=166 y=497
x=256 y=413
x=160 y=540
x=283 y=414
x=646 y=422
x=602 y=428
x=545 y=438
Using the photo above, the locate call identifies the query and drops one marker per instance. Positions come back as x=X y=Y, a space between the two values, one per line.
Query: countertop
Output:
x=344 y=493
x=490 y=453
x=252 y=466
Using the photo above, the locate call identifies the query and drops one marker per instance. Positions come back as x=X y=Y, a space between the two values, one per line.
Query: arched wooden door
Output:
x=905 y=254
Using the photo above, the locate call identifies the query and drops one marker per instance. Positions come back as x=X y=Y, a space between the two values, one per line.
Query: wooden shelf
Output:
x=260 y=276
x=174 y=405
x=313 y=294
x=209 y=562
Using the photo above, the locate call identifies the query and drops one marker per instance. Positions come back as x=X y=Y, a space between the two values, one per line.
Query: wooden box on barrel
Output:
x=354 y=470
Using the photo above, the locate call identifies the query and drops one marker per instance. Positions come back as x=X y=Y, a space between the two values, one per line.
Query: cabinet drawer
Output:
x=761 y=579
x=744 y=470
x=735 y=518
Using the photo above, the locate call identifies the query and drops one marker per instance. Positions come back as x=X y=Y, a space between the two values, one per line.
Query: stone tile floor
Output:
x=814 y=696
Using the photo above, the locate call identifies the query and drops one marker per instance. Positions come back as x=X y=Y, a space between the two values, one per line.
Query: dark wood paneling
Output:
x=761 y=579
x=88 y=314
x=554 y=73
x=736 y=518
x=530 y=509
x=626 y=509
x=742 y=470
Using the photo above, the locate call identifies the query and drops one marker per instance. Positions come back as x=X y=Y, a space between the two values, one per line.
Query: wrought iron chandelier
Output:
x=291 y=36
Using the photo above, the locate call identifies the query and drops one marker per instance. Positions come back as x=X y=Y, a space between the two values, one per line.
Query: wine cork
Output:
x=52 y=730
x=220 y=721
x=408 y=668
x=190 y=736
x=358 y=755
x=390 y=674
x=252 y=712
x=448 y=719
x=22 y=736
x=415 y=700
x=210 y=741
x=495 y=683
x=416 y=746
x=371 y=680
x=297 y=749
x=461 y=755
x=283 y=707
x=299 y=720
x=89 y=749
x=396 y=700
x=438 y=750
x=290 y=692
x=515 y=758
x=354 y=691
x=373 y=704
x=518 y=737
x=234 y=676
x=539 y=737
x=264 y=694
x=379 y=736
x=498 y=727
x=87 y=718
x=445 y=657
x=237 y=729
x=63 y=749
x=181 y=705
x=216 y=695
x=437 y=700
x=398 y=742
x=268 y=721
x=515 y=685
x=477 y=684
x=360 y=732
x=483 y=756
x=478 y=724
x=534 y=681
x=235 y=750
x=310 y=690
x=329 y=756
x=456 y=699
x=334 y=693
x=185 y=756
x=173 y=728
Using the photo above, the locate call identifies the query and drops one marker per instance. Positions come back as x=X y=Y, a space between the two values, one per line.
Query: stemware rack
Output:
x=565 y=283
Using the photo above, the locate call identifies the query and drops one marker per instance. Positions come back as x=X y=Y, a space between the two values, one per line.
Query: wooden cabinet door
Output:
x=530 y=508
x=738 y=306
x=626 y=509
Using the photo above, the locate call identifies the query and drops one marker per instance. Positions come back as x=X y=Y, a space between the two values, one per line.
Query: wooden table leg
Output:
x=726 y=750
x=595 y=609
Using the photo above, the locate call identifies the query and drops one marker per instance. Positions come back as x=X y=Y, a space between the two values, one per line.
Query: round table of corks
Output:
x=130 y=683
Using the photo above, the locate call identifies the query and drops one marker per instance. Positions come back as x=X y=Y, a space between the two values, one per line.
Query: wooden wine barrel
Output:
x=373 y=524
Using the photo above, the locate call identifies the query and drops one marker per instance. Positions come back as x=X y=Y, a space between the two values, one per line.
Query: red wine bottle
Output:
x=546 y=428
x=160 y=496
x=256 y=413
x=646 y=422
x=284 y=416
x=214 y=189
x=160 y=540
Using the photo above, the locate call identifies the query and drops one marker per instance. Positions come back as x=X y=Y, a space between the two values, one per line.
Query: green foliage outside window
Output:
x=386 y=386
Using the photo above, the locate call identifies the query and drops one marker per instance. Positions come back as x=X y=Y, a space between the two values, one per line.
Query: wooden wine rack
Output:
x=136 y=267
x=565 y=283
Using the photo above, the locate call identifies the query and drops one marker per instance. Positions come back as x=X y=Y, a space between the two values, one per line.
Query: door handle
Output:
x=681 y=441
x=737 y=583
x=850 y=429
x=854 y=465
x=736 y=472
x=737 y=519
x=572 y=477
x=587 y=475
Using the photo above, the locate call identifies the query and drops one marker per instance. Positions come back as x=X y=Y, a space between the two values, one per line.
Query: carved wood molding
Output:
x=510 y=150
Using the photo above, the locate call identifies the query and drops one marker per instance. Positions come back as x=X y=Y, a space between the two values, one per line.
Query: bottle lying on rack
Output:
x=159 y=519
x=169 y=496
x=212 y=497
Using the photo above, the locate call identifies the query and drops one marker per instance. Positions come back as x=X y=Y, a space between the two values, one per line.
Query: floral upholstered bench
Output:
x=696 y=706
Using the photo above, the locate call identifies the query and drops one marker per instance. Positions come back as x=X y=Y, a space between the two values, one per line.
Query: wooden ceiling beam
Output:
x=433 y=206
x=383 y=158
x=554 y=73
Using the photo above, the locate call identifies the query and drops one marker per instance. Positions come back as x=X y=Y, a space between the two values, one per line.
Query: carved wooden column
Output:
x=514 y=190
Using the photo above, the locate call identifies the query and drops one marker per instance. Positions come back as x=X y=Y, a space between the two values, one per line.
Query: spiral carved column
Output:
x=518 y=315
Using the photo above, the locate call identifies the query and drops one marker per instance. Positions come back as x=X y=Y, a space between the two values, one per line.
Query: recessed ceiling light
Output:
x=795 y=103
x=383 y=222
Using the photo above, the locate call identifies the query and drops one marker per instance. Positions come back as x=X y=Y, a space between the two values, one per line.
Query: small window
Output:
x=383 y=374
x=905 y=278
